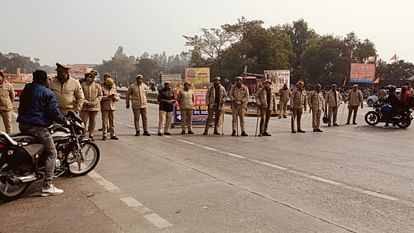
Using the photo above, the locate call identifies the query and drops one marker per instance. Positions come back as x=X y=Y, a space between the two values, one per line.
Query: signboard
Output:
x=278 y=78
x=362 y=73
x=200 y=110
x=199 y=77
x=77 y=71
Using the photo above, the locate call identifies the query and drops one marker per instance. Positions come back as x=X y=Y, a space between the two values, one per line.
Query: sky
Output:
x=88 y=31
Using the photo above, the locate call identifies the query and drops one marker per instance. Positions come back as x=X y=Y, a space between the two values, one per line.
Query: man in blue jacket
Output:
x=37 y=110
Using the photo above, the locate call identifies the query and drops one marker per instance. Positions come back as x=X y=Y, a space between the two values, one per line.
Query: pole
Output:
x=222 y=121
x=257 y=122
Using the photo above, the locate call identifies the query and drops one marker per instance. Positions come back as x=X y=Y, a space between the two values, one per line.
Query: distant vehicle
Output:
x=374 y=98
x=18 y=88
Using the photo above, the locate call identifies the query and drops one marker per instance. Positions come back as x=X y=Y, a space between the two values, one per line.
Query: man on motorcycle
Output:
x=37 y=110
x=394 y=101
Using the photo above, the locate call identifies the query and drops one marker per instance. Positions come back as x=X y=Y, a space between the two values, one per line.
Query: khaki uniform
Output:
x=69 y=95
x=91 y=105
x=298 y=103
x=266 y=101
x=316 y=104
x=138 y=96
x=109 y=97
x=213 y=107
x=284 y=100
x=239 y=95
x=6 y=105
x=333 y=105
x=186 y=102
x=355 y=99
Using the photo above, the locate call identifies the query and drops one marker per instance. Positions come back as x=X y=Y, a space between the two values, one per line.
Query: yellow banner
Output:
x=198 y=76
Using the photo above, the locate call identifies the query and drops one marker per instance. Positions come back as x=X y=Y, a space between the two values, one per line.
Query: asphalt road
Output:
x=346 y=179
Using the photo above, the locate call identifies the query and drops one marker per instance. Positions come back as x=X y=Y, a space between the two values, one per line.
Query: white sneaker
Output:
x=52 y=190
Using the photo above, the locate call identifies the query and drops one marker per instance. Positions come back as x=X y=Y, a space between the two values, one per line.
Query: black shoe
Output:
x=319 y=130
x=244 y=134
x=266 y=134
x=315 y=130
x=233 y=133
x=335 y=124
x=183 y=132
x=137 y=133
x=260 y=135
x=354 y=123
x=284 y=116
x=100 y=129
x=104 y=138
x=167 y=133
x=293 y=131
x=280 y=117
x=146 y=133
x=347 y=123
x=159 y=134
x=301 y=131
x=329 y=125
x=114 y=137
x=205 y=133
x=216 y=133
x=190 y=132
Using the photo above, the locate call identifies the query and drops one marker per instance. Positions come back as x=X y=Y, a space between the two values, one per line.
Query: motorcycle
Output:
x=382 y=111
x=22 y=161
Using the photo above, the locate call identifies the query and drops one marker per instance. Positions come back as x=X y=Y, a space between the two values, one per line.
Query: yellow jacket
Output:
x=93 y=96
x=69 y=94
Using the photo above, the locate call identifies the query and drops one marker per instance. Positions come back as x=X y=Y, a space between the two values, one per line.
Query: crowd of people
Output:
x=48 y=99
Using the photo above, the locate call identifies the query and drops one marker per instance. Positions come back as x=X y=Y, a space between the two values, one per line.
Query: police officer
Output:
x=239 y=96
x=333 y=101
x=215 y=98
x=6 y=103
x=92 y=103
x=265 y=100
x=298 y=103
x=316 y=105
x=355 y=99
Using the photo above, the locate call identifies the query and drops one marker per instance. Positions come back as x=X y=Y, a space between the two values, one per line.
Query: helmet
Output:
x=391 y=88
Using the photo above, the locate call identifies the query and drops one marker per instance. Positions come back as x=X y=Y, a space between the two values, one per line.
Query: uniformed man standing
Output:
x=265 y=100
x=333 y=101
x=6 y=103
x=166 y=101
x=355 y=99
x=239 y=96
x=186 y=101
x=215 y=98
x=284 y=95
x=109 y=97
x=68 y=91
x=137 y=93
x=298 y=103
x=316 y=105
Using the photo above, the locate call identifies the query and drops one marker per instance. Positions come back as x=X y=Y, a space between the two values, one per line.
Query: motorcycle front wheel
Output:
x=84 y=160
x=372 y=118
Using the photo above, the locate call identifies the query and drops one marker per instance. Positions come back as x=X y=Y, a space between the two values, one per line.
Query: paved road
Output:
x=347 y=179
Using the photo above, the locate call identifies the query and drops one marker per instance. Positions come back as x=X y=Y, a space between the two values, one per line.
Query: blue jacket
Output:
x=38 y=106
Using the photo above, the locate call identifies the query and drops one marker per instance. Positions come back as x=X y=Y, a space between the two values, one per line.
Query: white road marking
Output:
x=274 y=166
x=168 y=136
x=208 y=148
x=181 y=140
x=106 y=184
x=131 y=202
x=235 y=155
x=151 y=217
x=157 y=221
x=380 y=195
x=325 y=180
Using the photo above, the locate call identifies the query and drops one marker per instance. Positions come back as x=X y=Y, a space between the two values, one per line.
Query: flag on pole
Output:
x=394 y=58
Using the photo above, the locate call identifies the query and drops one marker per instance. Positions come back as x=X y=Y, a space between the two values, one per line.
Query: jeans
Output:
x=43 y=136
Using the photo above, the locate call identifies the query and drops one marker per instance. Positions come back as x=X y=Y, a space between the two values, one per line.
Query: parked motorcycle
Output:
x=402 y=118
x=22 y=161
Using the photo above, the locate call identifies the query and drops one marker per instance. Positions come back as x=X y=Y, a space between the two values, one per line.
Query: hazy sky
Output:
x=87 y=31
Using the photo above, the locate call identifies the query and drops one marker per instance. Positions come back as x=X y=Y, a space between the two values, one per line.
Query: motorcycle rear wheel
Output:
x=83 y=163
x=9 y=192
x=404 y=123
x=372 y=118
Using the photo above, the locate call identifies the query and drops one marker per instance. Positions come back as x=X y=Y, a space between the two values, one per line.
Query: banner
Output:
x=278 y=78
x=199 y=77
x=362 y=73
x=200 y=109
